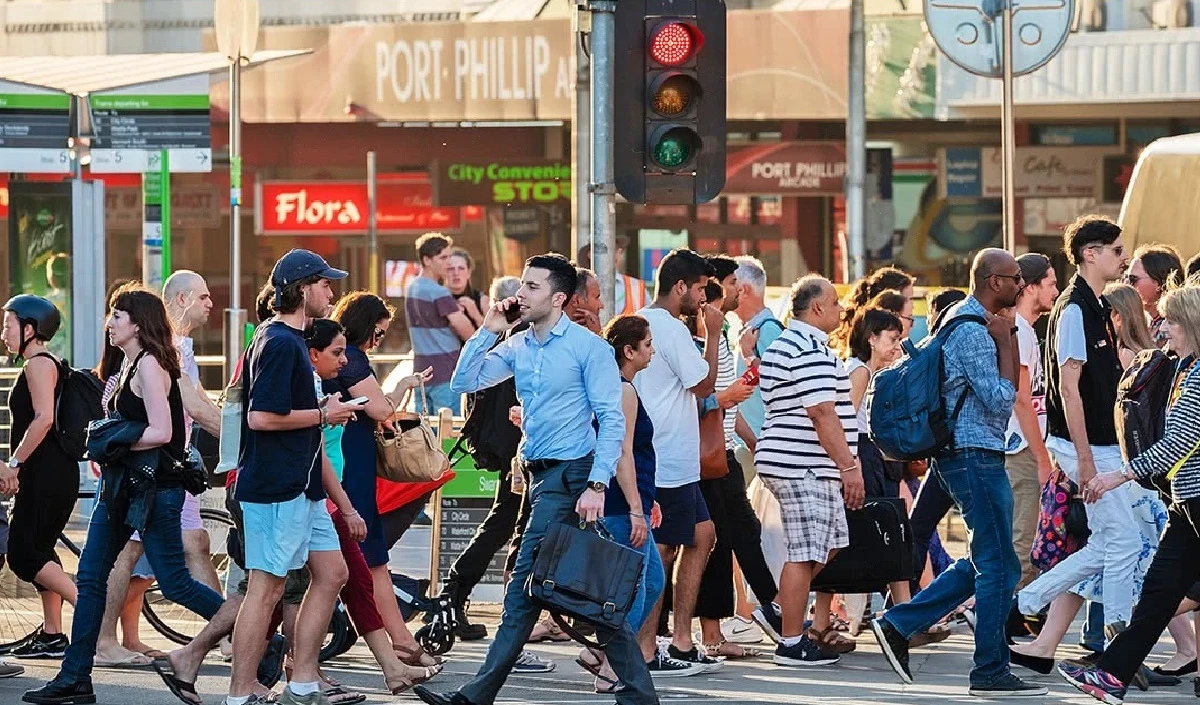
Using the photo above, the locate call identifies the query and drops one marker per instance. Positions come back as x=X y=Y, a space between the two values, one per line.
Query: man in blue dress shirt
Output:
x=566 y=377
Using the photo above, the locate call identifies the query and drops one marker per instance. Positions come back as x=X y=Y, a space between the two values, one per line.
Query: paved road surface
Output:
x=861 y=678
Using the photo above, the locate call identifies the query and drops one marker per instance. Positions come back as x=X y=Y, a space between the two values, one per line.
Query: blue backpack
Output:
x=905 y=410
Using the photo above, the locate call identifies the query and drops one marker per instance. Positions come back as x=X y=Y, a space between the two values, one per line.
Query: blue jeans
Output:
x=163 y=543
x=438 y=396
x=552 y=496
x=653 y=578
x=1091 y=634
x=978 y=483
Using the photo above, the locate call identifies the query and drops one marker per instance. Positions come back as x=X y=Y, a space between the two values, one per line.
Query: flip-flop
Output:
x=154 y=654
x=133 y=660
x=179 y=688
x=610 y=689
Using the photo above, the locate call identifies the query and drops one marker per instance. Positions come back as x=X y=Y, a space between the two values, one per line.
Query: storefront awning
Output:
x=82 y=75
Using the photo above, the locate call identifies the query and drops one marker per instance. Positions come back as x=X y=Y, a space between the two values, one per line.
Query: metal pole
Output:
x=604 y=191
x=164 y=178
x=856 y=149
x=372 y=228
x=1009 y=135
x=235 y=316
x=581 y=138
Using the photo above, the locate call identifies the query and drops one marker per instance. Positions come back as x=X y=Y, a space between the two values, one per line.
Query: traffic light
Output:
x=669 y=101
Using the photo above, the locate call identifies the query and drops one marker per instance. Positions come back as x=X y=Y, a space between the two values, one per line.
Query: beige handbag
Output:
x=411 y=453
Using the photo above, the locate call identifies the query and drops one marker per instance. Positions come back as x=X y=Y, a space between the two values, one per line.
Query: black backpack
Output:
x=487 y=435
x=1141 y=410
x=76 y=404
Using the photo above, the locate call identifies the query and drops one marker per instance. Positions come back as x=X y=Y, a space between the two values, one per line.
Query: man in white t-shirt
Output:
x=679 y=376
x=1082 y=372
x=1028 y=462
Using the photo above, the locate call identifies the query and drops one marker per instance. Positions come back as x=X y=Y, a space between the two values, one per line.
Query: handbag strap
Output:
x=575 y=634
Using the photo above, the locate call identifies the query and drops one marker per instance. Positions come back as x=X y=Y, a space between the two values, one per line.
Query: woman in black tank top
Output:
x=43 y=477
x=148 y=391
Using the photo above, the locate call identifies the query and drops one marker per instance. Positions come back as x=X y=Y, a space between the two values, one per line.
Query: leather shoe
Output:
x=58 y=692
x=1185 y=670
x=1037 y=664
x=431 y=698
x=1159 y=680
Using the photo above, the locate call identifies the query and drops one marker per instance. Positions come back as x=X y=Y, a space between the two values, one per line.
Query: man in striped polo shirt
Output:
x=436 y=324
x=807 y=455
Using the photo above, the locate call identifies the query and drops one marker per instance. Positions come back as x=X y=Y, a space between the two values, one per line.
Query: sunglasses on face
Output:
x=1017 y=278
x=1118 y=250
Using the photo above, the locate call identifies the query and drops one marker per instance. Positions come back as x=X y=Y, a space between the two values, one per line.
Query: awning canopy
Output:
x=82 y=75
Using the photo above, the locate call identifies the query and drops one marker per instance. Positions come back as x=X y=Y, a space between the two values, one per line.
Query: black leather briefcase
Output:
x=583 y=573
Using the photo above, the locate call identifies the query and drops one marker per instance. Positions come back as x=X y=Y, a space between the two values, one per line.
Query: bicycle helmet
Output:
x=38 y=312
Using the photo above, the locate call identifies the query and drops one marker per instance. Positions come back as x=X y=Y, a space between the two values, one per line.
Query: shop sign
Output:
x=781 y=65
x=787 y=168
x=340 y=208
x=194 y=206
x=1041 y=172
x=499 y=183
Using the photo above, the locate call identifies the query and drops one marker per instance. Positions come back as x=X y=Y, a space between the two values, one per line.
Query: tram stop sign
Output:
x=970 y=32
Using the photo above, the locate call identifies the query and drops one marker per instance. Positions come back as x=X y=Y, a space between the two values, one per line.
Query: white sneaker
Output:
x=529 y=662
x=741 y=631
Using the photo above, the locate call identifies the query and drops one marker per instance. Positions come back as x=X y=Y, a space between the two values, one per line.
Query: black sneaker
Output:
x=7 y=649
x=770 y=621
x=1008 y=685
x=696 y=656
x=58 y=692
x=43 y=646
x=270 y=666
x=894 y=646
x=663 y=666
x=804 y=653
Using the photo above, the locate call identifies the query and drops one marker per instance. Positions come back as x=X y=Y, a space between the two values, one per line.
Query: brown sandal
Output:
x=739 y=651
x=406 y=682
x=833 y=640
x=416 y=656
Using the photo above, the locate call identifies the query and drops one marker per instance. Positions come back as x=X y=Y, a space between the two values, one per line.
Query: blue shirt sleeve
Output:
x=768 y=333
x=480 y=365
x=975 y=352
x=274 y=371
x=602 y=382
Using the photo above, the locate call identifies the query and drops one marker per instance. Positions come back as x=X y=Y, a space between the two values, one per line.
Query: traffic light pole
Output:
x=601 y=186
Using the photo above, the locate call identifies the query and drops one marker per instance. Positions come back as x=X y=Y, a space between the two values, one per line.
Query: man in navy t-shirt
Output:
x=280 y=479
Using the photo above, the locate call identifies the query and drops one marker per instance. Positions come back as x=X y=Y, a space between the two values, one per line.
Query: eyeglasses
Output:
x=1017 y=278
x=910 y=319
x=1118 y=250
x=1132 y=279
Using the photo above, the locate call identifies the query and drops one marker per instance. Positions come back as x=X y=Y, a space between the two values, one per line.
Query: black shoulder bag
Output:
x=583 y=573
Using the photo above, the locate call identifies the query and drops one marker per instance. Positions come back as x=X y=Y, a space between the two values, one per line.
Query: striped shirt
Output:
x=1180 y=444
x=428 y=306
x=726 y=376
x=799 y=371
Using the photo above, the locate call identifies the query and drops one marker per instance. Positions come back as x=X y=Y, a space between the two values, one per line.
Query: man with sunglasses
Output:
x=1082 y=371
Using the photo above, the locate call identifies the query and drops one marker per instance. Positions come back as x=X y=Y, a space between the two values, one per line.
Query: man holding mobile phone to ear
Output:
x=566 y=376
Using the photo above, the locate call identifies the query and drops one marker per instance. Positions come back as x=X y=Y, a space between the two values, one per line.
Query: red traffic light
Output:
x=673 y=43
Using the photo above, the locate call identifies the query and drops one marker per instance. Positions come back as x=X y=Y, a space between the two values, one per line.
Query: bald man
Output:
x=980 y=367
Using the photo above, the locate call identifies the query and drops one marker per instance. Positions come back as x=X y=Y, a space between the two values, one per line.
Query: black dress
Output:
x=49 y=480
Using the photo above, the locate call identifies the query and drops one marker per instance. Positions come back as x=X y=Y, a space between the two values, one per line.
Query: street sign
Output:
x=131 y=131
x=34 y=129
x=969 y=33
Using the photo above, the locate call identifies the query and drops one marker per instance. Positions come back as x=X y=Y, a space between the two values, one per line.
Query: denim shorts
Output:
x=280 y=536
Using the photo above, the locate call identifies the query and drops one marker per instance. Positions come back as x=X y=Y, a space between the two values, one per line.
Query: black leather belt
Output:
x=545 y=463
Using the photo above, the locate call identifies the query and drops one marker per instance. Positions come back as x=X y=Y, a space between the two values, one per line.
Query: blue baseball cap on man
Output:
x=299 y=264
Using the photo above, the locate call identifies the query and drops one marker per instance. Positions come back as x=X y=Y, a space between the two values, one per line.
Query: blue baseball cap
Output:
x=299 y=264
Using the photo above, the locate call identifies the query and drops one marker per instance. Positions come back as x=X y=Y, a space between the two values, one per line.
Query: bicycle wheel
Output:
x=176 y=622
x=341 y=635
x=20 y=606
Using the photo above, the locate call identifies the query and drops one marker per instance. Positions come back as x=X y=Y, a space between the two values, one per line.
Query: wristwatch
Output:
x=597 y=486
x=14 y=463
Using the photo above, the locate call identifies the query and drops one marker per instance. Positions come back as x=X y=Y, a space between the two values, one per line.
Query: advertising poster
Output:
x=39 y=245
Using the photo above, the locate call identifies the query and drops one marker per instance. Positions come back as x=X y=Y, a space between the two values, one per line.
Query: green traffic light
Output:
x=674 y=149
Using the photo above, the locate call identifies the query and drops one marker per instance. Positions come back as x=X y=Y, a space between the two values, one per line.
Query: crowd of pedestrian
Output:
x=735 y=452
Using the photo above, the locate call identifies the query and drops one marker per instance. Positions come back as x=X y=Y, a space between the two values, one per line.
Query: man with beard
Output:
x=677 y=377
x=980 y=377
